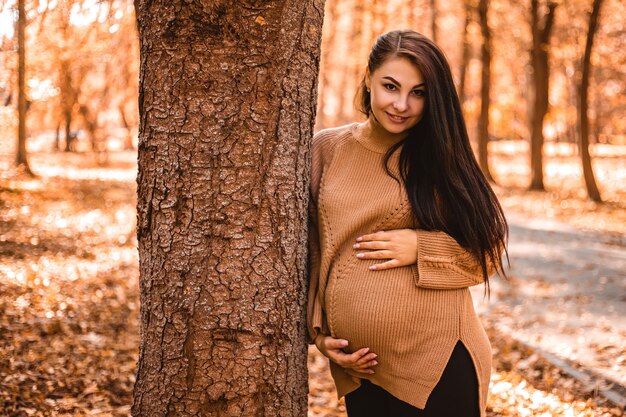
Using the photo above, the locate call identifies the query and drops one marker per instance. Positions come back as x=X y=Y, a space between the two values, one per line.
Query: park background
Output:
x=69 y=293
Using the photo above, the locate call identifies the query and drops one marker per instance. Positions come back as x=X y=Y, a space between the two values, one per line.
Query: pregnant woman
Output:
x=402 y=222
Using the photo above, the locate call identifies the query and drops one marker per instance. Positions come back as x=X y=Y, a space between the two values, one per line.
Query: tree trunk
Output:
x=57 y=138
x=21 y=157
x=541 y=30
x=128 y=136
x=413 y=16
x=90 y=121
x=329 y=65
x=465 y=57
x=485 y=86
x=378 y=19
x=433 y=20
x=68 y=99
x=69 y=139
x=227 y=107
x=358 y=57
x=590 y=181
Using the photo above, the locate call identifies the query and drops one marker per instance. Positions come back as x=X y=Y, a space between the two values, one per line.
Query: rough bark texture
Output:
x=541 y=27
x=485 y=87
x=227 y=105
x=590 y=181
x=21 y=156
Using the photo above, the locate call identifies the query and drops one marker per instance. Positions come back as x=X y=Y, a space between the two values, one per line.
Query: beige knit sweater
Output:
x=412 y=316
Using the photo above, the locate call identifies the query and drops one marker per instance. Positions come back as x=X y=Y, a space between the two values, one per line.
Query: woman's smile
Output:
x=396 y=119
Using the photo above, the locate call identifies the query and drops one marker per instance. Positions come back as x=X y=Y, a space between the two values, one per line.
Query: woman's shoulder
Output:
x=325 y=140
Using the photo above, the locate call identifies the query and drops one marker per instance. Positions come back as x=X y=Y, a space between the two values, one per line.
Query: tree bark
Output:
x=541 y=30
x=485 y=87
x=590 y=181
x=21 y=157
x=227 y=99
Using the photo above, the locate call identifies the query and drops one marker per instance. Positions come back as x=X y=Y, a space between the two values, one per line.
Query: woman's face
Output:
x=397 y=94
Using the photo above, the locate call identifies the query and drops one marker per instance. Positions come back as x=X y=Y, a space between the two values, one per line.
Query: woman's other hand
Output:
x=398 y=246
x=360 y=361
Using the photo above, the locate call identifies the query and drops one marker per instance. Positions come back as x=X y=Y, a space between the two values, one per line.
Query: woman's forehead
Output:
x=400 y=70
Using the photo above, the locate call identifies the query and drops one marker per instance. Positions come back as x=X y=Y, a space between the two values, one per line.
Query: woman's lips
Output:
x=396 y=119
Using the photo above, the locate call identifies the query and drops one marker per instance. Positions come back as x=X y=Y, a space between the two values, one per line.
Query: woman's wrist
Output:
x=318 y=339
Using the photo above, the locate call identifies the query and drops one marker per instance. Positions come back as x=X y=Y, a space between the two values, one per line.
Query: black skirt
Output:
x=455 y=395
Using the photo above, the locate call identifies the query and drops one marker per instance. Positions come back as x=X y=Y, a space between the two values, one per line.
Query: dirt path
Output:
x=566 y=295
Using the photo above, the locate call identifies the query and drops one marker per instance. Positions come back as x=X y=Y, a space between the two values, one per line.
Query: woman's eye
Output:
x=418 y=92
x=390 y=87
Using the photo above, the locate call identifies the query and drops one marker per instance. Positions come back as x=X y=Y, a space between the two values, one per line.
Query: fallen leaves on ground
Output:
x=69 y=303
x=565 y=198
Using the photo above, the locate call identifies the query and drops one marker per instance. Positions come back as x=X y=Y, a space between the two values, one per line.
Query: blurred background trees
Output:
x=525 y=71
x=81 y=74
x=533 y=48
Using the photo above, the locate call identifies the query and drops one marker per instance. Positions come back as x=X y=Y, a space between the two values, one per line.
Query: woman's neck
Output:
x=376 y=132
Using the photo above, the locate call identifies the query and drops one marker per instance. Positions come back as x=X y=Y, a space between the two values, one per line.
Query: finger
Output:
x=353 y=358
x=364 y=371
x=346 y=360
x=378 y=244
x=379 y=254
x=332 y=343
x=367 y=365
x=366 y=359
x=380 y=235
x=393 y=263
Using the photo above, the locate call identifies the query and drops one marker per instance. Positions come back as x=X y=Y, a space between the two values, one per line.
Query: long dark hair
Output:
x=446 y=188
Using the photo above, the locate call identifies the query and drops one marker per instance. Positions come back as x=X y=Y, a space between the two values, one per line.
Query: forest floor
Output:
x=69 y=294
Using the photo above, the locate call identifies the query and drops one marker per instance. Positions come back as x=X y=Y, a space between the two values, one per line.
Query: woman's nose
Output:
x=400 y=104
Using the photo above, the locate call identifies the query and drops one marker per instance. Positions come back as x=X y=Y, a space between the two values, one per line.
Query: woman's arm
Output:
x=444 y=264
x=321 y=148
x=316 y=321
x=441 y=263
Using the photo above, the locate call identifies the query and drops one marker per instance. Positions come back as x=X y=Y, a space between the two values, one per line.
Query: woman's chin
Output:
x=395 y=128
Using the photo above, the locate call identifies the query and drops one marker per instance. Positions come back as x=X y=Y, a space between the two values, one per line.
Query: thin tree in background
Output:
x=468 y=9
x=485 y=88
x=541 y=28
x=358 y=54
x=413 y=21
x=590 y=181
x=325 y=81
x=433 y=20
x=21 y=159
x=227 y=107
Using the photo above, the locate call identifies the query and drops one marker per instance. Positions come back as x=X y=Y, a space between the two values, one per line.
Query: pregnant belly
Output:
x=369 y=308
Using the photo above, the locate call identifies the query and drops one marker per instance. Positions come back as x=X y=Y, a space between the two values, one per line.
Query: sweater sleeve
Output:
x=444 y=264
x=316 y=319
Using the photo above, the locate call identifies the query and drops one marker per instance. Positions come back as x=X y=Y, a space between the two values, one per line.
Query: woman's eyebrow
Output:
x=391 y=79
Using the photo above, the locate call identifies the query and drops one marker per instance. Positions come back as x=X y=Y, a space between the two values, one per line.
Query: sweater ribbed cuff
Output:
x=442 y=262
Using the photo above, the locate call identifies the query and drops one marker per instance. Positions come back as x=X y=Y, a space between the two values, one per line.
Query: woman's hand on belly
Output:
x=360 y=361
x=399 y=246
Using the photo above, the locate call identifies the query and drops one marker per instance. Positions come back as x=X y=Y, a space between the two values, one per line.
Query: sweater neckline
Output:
x=367 y=141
